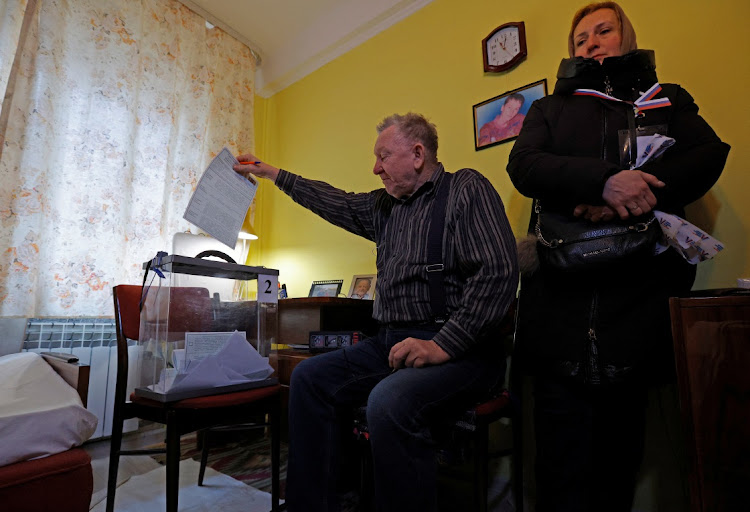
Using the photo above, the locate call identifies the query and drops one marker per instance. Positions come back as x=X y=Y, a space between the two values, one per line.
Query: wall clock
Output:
x=505 y=47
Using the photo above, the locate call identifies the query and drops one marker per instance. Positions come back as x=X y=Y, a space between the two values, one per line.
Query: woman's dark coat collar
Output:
x=578 y=72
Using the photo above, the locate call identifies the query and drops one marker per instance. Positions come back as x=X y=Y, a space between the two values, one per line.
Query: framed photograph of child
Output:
x=363 y=287
x=500 y=119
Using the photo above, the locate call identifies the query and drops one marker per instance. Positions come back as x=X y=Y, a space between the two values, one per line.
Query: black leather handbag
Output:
x=575 y=244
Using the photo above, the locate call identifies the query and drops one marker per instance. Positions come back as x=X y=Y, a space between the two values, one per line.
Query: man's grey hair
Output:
x=414 y=128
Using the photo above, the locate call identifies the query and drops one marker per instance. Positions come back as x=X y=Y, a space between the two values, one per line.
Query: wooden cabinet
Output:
x=284 y=361
x=297 y=317
x=712 y=352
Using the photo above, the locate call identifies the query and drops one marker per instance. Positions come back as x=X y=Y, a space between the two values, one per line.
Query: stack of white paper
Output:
x=237 y=362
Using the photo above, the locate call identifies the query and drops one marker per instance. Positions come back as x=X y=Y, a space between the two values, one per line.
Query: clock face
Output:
x=503 y=46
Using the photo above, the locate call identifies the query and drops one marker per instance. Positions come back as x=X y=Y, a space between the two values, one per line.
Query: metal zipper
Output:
x=593 y=373
x=633 y=145
x=591 y=368
x=604 y=124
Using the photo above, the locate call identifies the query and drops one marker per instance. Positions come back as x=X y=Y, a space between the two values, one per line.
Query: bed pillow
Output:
x=40 y=413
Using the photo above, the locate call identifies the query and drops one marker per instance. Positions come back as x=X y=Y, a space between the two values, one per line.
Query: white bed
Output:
x=40 y=414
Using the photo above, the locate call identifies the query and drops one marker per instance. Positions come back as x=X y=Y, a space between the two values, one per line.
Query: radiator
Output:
x=94 y=342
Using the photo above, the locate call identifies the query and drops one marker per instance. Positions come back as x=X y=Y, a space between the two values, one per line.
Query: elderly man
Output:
x=445 y=351
x=362 y=288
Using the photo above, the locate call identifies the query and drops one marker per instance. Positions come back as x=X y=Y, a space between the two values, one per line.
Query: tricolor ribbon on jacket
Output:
x=645 y=102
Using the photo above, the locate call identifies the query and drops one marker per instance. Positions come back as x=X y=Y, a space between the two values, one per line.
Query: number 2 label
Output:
x=268 y=288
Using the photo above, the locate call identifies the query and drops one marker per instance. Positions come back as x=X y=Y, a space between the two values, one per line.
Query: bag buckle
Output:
x=435 y=267
x=640 y=227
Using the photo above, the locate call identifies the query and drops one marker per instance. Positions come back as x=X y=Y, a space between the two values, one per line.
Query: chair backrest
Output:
x=127 y=300
x=189 y=310
x=127 y=326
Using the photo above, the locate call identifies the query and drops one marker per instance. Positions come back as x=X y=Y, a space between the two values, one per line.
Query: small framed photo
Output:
x=363 y=287
x=330 y=288
x=500 y=119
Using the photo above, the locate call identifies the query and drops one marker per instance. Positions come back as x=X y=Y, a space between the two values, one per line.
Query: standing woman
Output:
x=595 y=340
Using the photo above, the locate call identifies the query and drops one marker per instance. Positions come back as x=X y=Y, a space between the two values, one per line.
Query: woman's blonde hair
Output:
x=626 y=28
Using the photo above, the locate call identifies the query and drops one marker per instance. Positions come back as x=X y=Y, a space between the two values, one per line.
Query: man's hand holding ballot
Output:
x=249 y=164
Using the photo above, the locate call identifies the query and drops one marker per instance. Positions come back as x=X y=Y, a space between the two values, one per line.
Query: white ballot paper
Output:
x=651 y=147
x=199 y=345
x=221 y=200
x=235 y=363
x=693 y=244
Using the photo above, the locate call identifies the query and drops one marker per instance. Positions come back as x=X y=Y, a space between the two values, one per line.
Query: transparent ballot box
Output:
x=206 y=327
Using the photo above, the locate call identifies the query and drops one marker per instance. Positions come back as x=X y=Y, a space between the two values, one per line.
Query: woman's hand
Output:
x=629 y=192
x=594 y=213
x=259 y=169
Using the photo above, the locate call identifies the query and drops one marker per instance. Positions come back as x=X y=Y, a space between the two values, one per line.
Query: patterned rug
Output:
x=248 y=461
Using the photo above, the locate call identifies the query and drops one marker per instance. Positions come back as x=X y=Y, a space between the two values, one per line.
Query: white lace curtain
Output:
x=11 y=19
x=116 y=109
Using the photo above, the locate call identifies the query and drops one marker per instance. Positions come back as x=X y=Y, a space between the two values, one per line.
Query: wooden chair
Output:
x=183 y=416
x=476 y=424
x=477 y=421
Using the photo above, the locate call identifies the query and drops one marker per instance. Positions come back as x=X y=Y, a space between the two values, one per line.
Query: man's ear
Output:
x=419 y=155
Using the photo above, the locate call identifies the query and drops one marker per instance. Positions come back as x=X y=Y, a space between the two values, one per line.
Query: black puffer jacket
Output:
x=610 y=325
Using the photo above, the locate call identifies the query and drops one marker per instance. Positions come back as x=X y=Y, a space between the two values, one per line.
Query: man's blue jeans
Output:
x=401 y=406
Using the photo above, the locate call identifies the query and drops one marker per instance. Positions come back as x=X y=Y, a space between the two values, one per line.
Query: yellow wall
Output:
x=323 y=126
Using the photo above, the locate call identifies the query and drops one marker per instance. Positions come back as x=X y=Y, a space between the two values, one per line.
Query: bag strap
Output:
x=538 y=227
x=435 y=265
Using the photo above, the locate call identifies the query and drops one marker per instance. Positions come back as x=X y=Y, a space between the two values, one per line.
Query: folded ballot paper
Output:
x=651 y=147
x=691 y=242
x=235 y=366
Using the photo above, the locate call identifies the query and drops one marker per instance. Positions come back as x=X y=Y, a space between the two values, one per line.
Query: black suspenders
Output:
x=435 y=265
